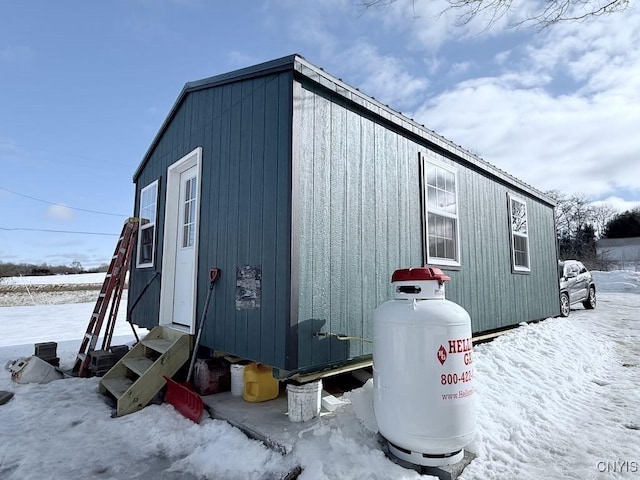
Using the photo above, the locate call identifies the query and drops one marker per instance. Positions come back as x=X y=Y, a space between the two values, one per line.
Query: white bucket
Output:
x=304 y=401
x=32 y=370
x=237 y=379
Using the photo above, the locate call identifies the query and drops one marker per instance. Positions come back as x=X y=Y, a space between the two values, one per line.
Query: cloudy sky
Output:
x=84 y=87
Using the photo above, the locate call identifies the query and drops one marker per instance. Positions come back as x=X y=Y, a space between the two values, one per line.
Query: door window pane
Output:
x=189 y=213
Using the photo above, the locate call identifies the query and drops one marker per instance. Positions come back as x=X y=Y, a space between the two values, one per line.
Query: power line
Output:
x=56 y=231
x=66 y=206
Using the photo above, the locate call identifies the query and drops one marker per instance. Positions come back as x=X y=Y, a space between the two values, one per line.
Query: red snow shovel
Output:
x=181 y=395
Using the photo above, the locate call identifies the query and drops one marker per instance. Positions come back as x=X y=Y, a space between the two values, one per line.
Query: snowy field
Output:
x=555 y=400
x=50 y=289
x=89 y=278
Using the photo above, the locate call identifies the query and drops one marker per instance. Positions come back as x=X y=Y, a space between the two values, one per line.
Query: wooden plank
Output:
x=138 y=365
x=160 y=345
x=117 y=386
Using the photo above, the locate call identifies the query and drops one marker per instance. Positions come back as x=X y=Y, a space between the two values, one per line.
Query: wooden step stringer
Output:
x=138 y=376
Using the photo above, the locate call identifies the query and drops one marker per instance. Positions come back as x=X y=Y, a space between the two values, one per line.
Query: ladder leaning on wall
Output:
x=108 y=299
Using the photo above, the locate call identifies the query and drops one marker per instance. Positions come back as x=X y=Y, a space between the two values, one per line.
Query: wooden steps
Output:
x=137 y=377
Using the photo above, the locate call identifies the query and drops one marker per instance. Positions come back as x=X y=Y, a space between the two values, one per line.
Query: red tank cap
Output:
x=419 y=273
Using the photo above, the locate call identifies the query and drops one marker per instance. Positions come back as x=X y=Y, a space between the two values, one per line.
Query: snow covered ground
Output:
x=556 y=399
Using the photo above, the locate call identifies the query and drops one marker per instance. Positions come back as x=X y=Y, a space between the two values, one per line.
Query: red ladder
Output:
x=108 y=299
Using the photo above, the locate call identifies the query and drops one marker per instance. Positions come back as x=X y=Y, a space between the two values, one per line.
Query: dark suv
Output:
x=576 y=285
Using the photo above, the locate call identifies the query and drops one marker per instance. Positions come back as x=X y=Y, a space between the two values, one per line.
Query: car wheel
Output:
x=590 y=302
x=565 y=307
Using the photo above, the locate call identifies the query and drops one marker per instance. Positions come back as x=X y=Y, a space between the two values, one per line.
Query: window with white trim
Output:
x=441 y=201
x=147 y=230
x=519 y=234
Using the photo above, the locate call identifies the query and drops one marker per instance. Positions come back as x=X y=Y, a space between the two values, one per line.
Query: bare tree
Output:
x=601 y=215
x=549 y=12
x=579 y=224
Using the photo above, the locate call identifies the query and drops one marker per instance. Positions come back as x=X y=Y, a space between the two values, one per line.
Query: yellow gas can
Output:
x=259 y=384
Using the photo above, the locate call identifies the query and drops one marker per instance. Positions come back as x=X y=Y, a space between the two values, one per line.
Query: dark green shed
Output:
x=308 y=194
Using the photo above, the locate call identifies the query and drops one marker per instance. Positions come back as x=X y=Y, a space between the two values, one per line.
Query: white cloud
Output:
x=556 y=108
x=617 y=203
x=430 y=24
x=60 y=212
x=382 y=76
x=582 y=140
x=338 y=32
x=570 y=143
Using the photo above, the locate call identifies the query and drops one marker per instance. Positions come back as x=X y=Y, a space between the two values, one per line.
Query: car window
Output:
x=572 y=267
x=582 y=268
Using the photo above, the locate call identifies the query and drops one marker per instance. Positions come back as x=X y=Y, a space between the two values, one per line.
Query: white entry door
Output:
x=180 y=245
x=184 y=283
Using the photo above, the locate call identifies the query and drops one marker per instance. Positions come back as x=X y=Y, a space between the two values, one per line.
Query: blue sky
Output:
x=85 y=86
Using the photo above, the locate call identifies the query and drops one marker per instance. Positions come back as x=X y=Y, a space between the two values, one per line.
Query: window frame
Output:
x=512 y=235
x=428 y=258
x=148 y=225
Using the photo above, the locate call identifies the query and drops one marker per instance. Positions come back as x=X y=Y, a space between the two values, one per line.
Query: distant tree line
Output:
x=579 y=224
x=624 y=225
x=9 y=269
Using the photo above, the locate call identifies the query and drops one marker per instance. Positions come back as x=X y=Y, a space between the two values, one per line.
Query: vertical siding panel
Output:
x=243 y=107
x=368 y=193
x=271 y=321
x=284 y=337
x=353 y=216
x=240 y=340
x=336 y=237
x=201 y=135
x=305 y=196
x=321 y=242
x=381 y=238
x=224 y=234
x=393 y=175
x=216 y=224
x=259 y=323
x=403 y=223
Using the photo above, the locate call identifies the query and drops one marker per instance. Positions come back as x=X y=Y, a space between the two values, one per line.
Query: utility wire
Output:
x=56 y=231
x=66 y=206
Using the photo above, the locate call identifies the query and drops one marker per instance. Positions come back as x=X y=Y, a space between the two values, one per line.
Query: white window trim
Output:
x=430 y=260
x=153 y=224
x=518 y=268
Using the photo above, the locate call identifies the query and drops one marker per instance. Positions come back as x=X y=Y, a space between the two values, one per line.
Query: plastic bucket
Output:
x=304 y=401
x=237 y=379
x=32 y=370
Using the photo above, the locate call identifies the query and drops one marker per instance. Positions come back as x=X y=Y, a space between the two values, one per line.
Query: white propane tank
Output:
x=423 y=371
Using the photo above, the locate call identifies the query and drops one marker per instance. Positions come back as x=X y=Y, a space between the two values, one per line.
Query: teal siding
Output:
x=244 y=129
x=357 y=217
x=355 y=213
x=485 y=285
x=321 y=189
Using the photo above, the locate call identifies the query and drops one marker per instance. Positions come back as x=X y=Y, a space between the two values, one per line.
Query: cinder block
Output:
x=118 y=351
x=46 y=350
x=101 y=359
